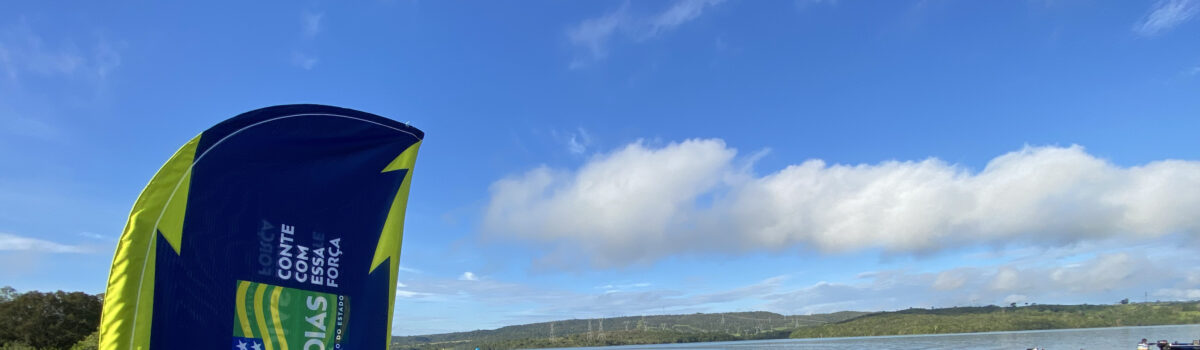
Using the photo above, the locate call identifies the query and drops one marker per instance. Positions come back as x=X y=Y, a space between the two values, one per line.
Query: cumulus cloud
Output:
x=1165 y=15
x=11 y=242
x=468 y=276
x=950 y=280
x=592 y=36
x=641 y=203
x=1105 y=272
x=1006 y=279
x=629 y=202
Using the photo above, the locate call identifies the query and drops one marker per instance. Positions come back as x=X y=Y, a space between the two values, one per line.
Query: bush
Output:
x=92 y=342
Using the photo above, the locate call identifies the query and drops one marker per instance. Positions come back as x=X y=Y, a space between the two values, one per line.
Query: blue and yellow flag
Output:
x=278 y=229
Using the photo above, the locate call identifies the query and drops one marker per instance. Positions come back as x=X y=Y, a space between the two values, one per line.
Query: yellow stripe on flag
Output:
x=275 y=316
x=262 y=316
x=243 y=286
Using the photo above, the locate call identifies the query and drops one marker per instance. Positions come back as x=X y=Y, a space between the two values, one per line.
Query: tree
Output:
x=1125 y=301
x=92 y=342
x=49 y=320
x=7 y=293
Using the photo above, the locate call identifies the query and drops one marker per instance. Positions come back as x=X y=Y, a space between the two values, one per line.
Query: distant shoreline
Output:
x=667 y=329
x=997 y=332
x=1006 y=319
x=900 y=339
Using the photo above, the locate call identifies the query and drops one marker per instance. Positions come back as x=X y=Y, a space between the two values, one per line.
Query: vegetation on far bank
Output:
x=765 y=325
x=632 y=330
x=995 y=318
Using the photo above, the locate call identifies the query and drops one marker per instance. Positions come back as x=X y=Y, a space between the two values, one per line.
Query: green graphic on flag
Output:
x=270 y=317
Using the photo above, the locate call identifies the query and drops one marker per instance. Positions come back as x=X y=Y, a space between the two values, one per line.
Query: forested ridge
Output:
x=655 y=329
x=1012 y=318
x=766 y=325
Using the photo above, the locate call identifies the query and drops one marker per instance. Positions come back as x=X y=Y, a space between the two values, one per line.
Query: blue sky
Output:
x=607 y=158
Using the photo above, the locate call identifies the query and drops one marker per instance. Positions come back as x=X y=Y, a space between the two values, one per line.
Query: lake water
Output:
x=1063 y=339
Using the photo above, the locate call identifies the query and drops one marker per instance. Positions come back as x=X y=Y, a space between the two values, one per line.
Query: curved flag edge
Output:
x=159 y=209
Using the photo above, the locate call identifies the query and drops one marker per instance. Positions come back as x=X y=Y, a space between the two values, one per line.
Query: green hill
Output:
x=626 y=330
x=995 y=318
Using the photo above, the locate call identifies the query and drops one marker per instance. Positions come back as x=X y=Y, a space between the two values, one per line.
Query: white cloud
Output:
x=11 y=242
x=1107 y=271
x=626 y=203
x=305 y=61
x=594 y=34
x=1045 y=280
x=406 y=294
x=640 y=203
x=1165 y=15
x=682 y=12
x=950 y=280
x=468 y=276
x=610 y=288
x=577 y=141
x=1016 y=298
x=25 y=52
x=1006 y=279
x=311 y=24
x=538 y=304
x=97 y=236
x=1177 y=294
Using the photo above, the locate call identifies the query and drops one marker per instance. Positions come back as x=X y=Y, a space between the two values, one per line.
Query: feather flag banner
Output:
x=277 y=229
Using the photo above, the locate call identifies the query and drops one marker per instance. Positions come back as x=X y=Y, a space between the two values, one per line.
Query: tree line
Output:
x=626 y=330
x=764 y=325
x=1012 y=318
x=48 y=321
